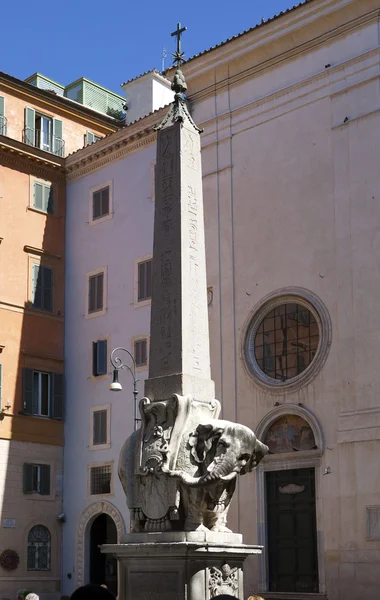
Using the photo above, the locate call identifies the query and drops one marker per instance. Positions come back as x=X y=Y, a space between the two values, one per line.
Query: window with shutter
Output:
x=43 y=394
x=99 y=427
x=90 y=138
x=99 y=358
x=36 y=479
x=140 y=352
x=144 y=283
x=95 y=292
x=43 y=197
x=42 y=288
x=58 y=143
x=100 y=203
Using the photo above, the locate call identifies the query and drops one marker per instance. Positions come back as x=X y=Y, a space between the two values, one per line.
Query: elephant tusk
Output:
x=229 y=477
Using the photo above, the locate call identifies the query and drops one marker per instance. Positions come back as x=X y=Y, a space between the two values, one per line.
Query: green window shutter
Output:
x=47 y=289
x=29 y=126
x=49 y=193
x=2 y=106
x=90 y=138
x=57 y=396
x=38 y=195
x=57 y=139
x=27 y=391
x=45 y=480
x=36 y=286
x=28 y=479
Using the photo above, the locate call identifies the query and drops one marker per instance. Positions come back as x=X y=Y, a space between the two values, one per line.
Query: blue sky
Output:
x=113 y=42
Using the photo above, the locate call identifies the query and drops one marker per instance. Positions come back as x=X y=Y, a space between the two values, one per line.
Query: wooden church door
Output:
x=292 y=531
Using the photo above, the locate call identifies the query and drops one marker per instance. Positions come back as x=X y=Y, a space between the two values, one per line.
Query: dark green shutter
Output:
x=2 y=104
x=99 y=427
x=57 y=396
x=28 y=478
x=47 y=289
x=49 y=199
x=45 y=480
x=90 y=138
x=27 y=391
x=29 y=126
x=101 y=365
x=57 y=137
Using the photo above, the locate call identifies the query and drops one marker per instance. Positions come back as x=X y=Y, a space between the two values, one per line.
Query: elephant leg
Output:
x=218 y=502
x=193 y=505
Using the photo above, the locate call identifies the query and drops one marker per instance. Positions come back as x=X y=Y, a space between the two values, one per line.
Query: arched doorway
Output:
x=103 y=568
x=288 y=512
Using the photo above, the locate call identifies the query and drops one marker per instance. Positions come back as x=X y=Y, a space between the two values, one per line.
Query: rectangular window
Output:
x=141 y=352
x=42 y=288
x=43 y=394
x=373 y=522
x=100 y=203
x=144 y=280
x=43 y=197
x=100 y=480
x=43 y=132
x=100 y=427
x=99 y=358
x=95 y=293
x=37 y=479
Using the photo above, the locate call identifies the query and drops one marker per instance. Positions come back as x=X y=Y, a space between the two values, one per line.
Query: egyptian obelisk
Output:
x=179 y=348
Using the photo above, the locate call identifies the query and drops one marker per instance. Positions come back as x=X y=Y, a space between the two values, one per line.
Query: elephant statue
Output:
x=222 y=450
x=179 y=477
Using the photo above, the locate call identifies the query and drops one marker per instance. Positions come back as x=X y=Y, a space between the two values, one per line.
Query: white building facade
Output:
x=291 y=117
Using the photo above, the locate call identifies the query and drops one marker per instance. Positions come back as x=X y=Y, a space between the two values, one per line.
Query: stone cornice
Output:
x=114 y=147
x=20 y=156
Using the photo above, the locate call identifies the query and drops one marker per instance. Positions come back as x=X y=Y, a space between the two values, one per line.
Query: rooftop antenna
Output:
x=164 y=55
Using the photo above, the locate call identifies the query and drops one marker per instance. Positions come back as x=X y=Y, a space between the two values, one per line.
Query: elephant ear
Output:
x=260 y=451
x=201 y=441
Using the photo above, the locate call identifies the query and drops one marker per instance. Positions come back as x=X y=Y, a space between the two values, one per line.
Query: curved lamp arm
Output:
x=118 y=364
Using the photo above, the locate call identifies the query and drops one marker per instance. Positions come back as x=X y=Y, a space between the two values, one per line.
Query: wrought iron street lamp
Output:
x=118 y=364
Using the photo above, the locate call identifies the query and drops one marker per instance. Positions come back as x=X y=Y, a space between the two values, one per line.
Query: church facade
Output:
x=290 y=112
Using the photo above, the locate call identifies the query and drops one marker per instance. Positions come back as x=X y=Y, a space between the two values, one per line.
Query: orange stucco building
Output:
x=37 y=129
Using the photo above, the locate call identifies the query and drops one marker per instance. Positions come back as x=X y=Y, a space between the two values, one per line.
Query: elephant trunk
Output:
x=223 y=471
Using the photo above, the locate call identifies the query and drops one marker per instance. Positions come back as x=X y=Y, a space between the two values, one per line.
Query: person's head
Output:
x=255 y=598
x=32 y=596
x=92 y=592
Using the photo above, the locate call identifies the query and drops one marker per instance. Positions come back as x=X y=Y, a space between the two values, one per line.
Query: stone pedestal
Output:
x=180 y=565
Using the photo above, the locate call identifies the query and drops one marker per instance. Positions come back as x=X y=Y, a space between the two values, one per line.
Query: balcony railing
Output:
x=44 y=141
x=3 y=125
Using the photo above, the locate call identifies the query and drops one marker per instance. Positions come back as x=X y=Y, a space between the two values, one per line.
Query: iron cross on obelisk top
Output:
x=178 y=55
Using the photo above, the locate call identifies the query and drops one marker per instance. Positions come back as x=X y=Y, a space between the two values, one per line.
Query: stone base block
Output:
x=180 y=569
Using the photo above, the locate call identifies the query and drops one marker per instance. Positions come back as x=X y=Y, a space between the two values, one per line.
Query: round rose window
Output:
x=287 y=339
